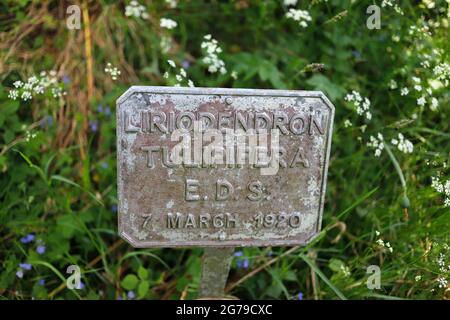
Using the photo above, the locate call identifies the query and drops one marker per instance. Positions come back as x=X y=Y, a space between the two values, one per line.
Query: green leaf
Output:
x=336 y=265
x=130 y=282
x=316 y=269
x=65 y=180
x=322 y=83
x=142 y=273
x=143 y=288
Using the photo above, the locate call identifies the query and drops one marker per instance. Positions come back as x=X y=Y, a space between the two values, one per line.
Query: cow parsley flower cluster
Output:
x=442 y=188
x=392 y=84
x=301 y=16
x=404 y=91
x=45 y=83
x=180 y=76
x=391 y=3
x=442 y=73
x=172 y=3
x=361 y=104
x=113 y=71
x=383 y=244
x=288 y=3
x=376 y=143
x=443 y=269
x=167 y=23
x=134 y=9
x=211 y=59
x=404 y=145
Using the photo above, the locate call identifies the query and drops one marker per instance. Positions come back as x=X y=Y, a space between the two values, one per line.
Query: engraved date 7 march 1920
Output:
x=221 y=167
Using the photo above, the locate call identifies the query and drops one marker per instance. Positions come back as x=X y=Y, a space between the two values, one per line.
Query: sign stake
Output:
x=215 y=268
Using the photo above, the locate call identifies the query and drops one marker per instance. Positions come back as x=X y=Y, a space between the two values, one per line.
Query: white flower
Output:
x=190 y=83
x=442 y=73
x=404 y=145
x=404 y=91
x=35 y=85
x=26 y=95
x=13 y=94
x=361 y=104
x=113 y=71
x=211 y=58
x=172 y=3
x=18 y=84
x=183 y=73
x=434 y=104
x=167 y=23
x=234 y=75
x=442 y=282
x=39 y=89
x=301 y=16
x=134 y=9
x=288 y=3
x=416 y=80
x=418 y=87
x=443 y=188
x=347 y=123
x=377 y=144
x=393 y=84
x=421 y=101
x=166 y=75
x=418 y=278
x=171 y=63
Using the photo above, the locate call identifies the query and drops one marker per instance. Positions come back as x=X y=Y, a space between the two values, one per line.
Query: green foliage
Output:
x=61 y=189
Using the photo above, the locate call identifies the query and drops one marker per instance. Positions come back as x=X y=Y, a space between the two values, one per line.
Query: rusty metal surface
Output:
x=182 y=205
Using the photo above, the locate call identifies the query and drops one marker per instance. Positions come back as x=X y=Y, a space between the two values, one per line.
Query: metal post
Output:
x=215 y=268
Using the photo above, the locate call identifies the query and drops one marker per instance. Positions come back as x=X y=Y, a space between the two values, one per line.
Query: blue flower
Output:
x=19 y=273
x=107 y=111
x=40 y=249
x=66 y=79
x=100 y=108
x=300 y=296
x=238 y=254
x=243 y=263
x=185 y=64
x=131 y=295
x=93 y=125
x=80 y=286
x=104 y=165
x=114 y=208
x=28 y=238
x=46 y=122
x=356 y=54
x=25 y=266
x=42 y=282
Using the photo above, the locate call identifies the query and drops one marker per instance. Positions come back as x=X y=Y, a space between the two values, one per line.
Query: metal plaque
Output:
x=221 y=167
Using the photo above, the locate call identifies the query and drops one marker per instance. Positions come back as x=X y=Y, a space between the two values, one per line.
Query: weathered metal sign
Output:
x=221 y=167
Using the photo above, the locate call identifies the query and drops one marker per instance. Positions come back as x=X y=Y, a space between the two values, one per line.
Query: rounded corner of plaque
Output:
x=125 y=236
x=313 y=236
x=326 y=101
x=126 y=95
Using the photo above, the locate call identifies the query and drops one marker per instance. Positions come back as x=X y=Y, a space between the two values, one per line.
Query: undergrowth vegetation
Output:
x=388 y=192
